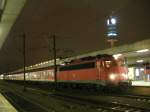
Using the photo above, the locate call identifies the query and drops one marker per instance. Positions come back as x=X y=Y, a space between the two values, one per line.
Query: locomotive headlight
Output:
x=112 y=76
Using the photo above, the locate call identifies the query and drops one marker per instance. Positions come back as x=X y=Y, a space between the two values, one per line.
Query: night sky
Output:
x=79 y=25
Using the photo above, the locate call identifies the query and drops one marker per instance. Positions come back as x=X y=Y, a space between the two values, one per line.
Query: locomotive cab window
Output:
x=108 y=64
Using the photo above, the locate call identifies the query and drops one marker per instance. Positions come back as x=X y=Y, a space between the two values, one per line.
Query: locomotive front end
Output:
x=118 y=73
x=118 y=76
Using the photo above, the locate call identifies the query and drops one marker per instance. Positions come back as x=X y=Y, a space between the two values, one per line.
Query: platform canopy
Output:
x=79 y=26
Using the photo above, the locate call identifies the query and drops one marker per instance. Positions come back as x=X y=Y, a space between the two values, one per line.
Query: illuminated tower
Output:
x=112 y=30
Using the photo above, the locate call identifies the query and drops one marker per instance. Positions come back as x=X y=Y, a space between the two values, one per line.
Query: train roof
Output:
x=90 y=58
x=100 y=56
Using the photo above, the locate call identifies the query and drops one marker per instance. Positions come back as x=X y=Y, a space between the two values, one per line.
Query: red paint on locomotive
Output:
x=77 y=75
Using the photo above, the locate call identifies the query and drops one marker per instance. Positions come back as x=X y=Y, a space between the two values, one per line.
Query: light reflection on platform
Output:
x=5 y=106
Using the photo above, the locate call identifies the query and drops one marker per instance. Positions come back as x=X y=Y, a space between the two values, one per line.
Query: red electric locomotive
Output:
x=102 y=69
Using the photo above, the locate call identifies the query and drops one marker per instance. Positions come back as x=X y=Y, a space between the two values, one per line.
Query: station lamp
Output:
x=140 y=61
x=142 y=51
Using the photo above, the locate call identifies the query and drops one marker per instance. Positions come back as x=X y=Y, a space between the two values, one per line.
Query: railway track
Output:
x=22 y=104
x=137 y=98
x=113 y=106
x=96 y=105
x=74 y=103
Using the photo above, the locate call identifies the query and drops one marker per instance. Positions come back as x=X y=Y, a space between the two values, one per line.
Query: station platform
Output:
x=141 y=83
x=5 y=106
